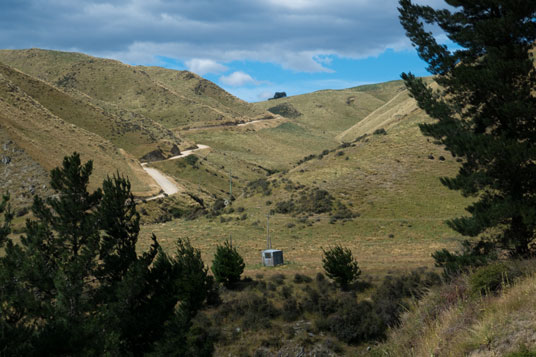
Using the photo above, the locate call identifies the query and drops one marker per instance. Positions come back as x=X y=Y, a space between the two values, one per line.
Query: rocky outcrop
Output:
x=286 y=110
x=175 y=150
x=155 y=155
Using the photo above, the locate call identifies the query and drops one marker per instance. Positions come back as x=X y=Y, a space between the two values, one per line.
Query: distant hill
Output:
x=361 y=145
x=47 y=137
x=53 y=103
x=171 y=98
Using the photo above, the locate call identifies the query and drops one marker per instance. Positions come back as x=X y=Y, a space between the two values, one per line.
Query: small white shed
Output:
x=272 y=257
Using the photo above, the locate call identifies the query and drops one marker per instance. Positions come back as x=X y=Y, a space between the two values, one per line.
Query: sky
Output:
x=251 y=48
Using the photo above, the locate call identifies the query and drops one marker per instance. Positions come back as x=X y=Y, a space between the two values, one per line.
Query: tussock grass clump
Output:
x=453 y=320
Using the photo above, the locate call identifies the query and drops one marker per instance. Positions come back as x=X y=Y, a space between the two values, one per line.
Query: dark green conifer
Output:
x=75 y=284
x=485 y=110
x=227 y=265
x=340 y=265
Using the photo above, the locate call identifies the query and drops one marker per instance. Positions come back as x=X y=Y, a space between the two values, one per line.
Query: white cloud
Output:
x=203 y=66
x=296 y=34
x=237 y=79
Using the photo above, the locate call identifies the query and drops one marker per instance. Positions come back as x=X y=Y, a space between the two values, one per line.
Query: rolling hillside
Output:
x=35 y=129
x=359 y=148
x=171 y=98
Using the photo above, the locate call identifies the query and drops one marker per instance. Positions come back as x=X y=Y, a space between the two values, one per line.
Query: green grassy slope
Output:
x=130 y=135
x=391 y=181
x=114 y=85
x=48 y=139
x=388 y=180
x=202 y=90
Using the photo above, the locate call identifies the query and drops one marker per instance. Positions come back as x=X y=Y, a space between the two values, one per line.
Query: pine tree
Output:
x=227 y=265
x=75 y=284
x=340 y=265
x=485 y=110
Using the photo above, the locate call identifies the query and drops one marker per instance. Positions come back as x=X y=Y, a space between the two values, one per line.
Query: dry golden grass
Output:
x=487 y=326
x=48 y=139
x=167 y=97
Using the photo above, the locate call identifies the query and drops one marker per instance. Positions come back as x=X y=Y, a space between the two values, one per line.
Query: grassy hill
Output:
x=389 y=180
x=385 y=196
x=149 y=92
x=47 y=138
x=345 y=167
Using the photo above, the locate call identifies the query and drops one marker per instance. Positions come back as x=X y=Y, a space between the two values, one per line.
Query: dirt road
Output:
x=168 y=185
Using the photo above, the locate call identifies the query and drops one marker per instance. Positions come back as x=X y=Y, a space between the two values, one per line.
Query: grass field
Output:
x=389 y=180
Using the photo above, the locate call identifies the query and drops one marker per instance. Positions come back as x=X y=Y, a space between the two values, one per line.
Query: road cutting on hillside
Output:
x=166 y=183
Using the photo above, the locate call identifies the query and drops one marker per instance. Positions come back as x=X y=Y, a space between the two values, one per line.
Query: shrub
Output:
x=299 y=278
x=340 y=265
x=228 y=265
x=356 y=322
x=488 y=279
x=380 y=131
x=285 y=207
x=389 y=297
x=278 y=278
x=254 y=310
x=291 y=309
x=191 y=160
x=260 y=185
x=286 y=291
x=218 y=206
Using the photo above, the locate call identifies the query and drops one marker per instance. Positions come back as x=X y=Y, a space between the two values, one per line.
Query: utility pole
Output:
x=268 y=240
x=230 y=187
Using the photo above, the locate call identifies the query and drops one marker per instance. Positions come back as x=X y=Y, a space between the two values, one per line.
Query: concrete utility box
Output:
x=272 y=257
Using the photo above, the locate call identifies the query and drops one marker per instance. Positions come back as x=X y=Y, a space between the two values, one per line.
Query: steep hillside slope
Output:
x=138 y=136
x=114 y=85
x=203 y=91
x=452 y=321
x=46 y=138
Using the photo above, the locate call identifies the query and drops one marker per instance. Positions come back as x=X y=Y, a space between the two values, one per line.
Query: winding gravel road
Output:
x=168 y=185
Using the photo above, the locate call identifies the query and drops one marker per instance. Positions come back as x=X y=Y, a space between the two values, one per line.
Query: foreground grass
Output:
x=452 y=322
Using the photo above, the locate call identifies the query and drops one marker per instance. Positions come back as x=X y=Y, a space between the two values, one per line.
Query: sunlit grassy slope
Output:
x=451 y=322
x=48 y=138
x=391 y=181
x=119 y=87
x=362 y=145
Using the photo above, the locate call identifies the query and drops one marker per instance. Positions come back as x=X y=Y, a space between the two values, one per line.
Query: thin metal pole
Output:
x=268 y=240
x=230 y=186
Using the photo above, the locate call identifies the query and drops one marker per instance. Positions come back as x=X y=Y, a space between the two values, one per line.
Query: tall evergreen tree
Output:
x=227 y=265
x=485 y=110
x=75 y=284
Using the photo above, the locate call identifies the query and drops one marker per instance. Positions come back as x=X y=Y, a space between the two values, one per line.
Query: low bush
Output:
x=291 y=310
x=356 y=322
x=299 y=278
x=278 y=279
x=380 y=131
x=261 y=185
x=254 y=310
x=489 y=279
